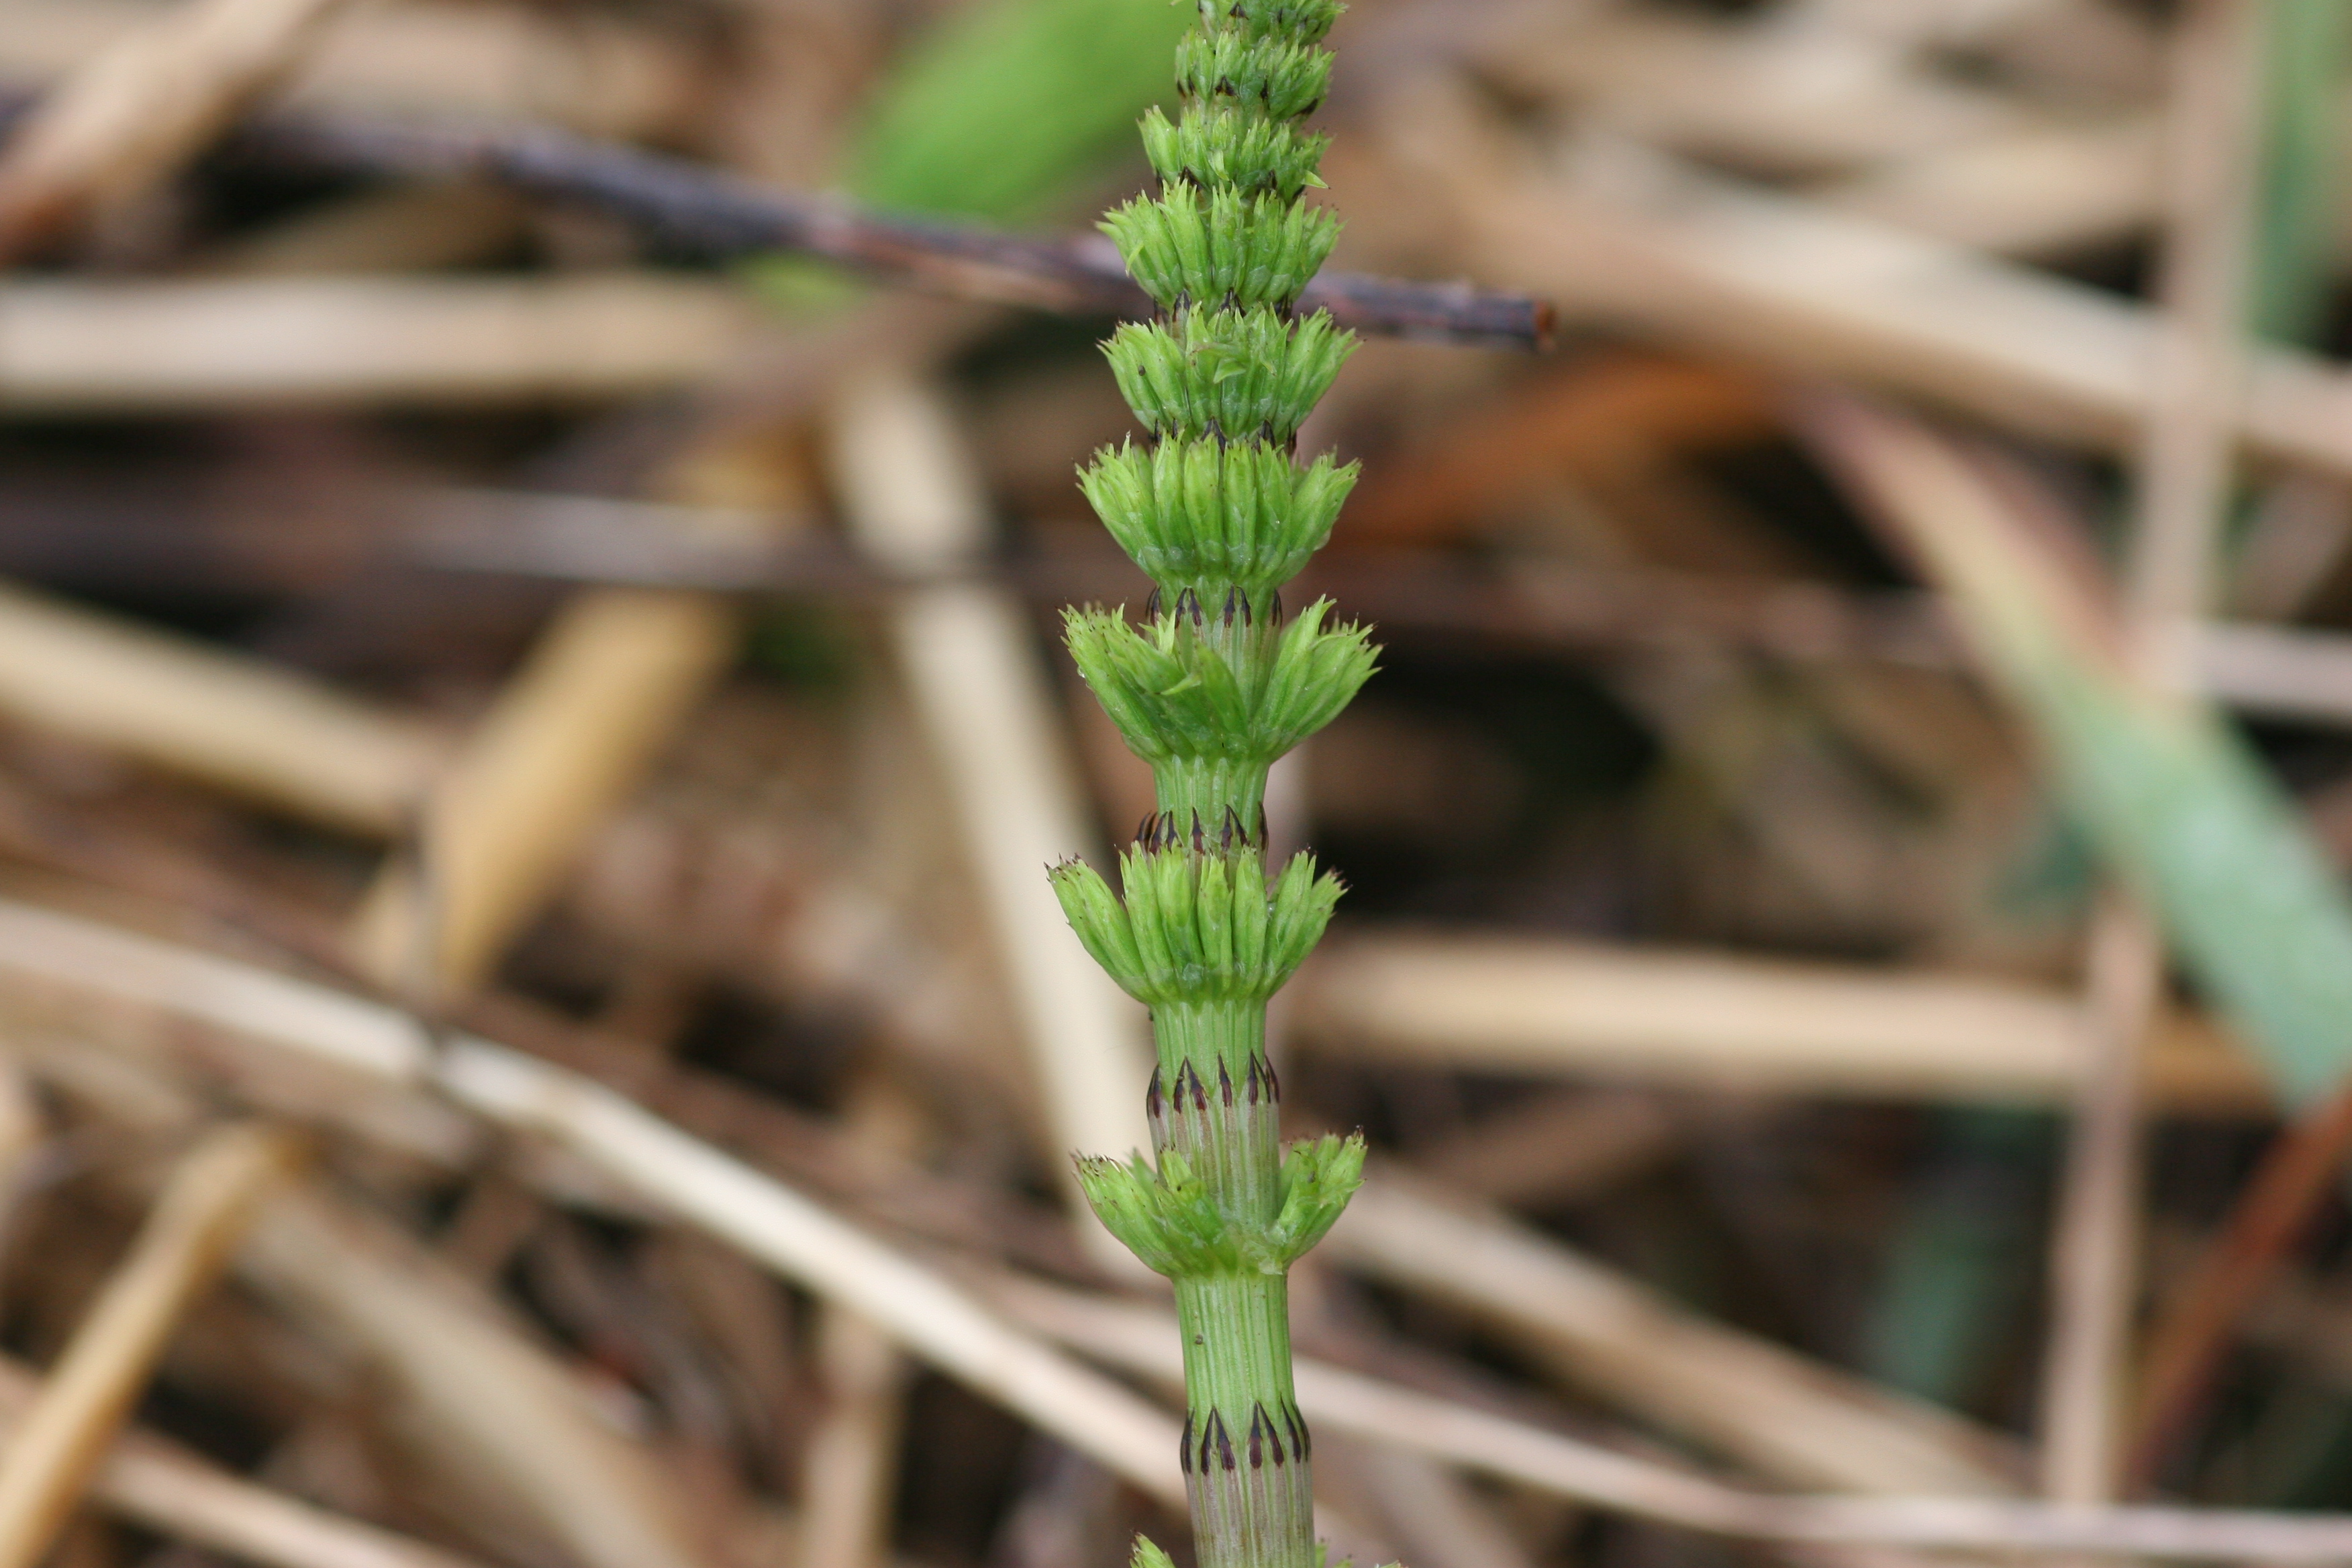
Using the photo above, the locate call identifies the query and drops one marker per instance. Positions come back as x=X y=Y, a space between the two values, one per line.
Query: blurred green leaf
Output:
x=1959 y=1266
x=1007 y=103
x=2168 y=790
x=2301 y=208
x=1001 y=112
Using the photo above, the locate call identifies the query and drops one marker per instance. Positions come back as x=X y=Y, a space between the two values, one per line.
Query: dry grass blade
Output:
x=1559 y=1148
x=567 y=737
x=597 y=72
x=160 y=1485
x=680 y=1176
x=1755 y=94
x=606 y=686
x=64 y=1433
x=2095 y=1250
x=2275 y=671
x=2186 y=458
x=143 y=105
x=23 y=1133
x=490 y=1409
x=1699 y=259
x=2252 y=665
x=1787 y=1417
x=2188 y=449
x=915 y=504
x=693 y=1182
x=2040 y=191
x=1141 y=1338
x=262 y=732
x=1440 y=1521
x=850 y=1478
x=409 y=228
x=75 y=346
x=1537 y=1006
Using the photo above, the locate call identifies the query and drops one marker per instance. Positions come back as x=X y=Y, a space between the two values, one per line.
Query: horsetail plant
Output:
x=1211 y=689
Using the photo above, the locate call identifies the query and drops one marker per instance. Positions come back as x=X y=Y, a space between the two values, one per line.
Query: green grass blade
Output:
x=1958 y=1262
x=2168 y=792
x=2302 y=206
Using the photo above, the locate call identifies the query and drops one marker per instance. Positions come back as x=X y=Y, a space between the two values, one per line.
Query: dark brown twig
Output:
x=710 y=214
x=696 y=211
x=2273 y=1213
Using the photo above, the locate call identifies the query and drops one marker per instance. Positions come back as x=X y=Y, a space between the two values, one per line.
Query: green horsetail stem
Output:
x=1211 y=689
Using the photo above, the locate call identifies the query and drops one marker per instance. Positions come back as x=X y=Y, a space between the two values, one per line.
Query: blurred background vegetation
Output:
x=1917 y=566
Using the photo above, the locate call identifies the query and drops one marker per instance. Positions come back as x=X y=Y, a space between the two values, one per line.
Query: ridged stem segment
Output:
x=1245 y=1446
x=1198 y=792
x=1210 y=688
x=1214 y=1100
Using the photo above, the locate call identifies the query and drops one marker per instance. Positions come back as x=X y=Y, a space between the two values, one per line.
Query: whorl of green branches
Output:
x=1204 y=681
x=1199 y=924
x=1221 y=247
x=1232 y=148
x=1242 y=375
x=1195 y=514
x=1281 y=79
x=1171 y=1219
